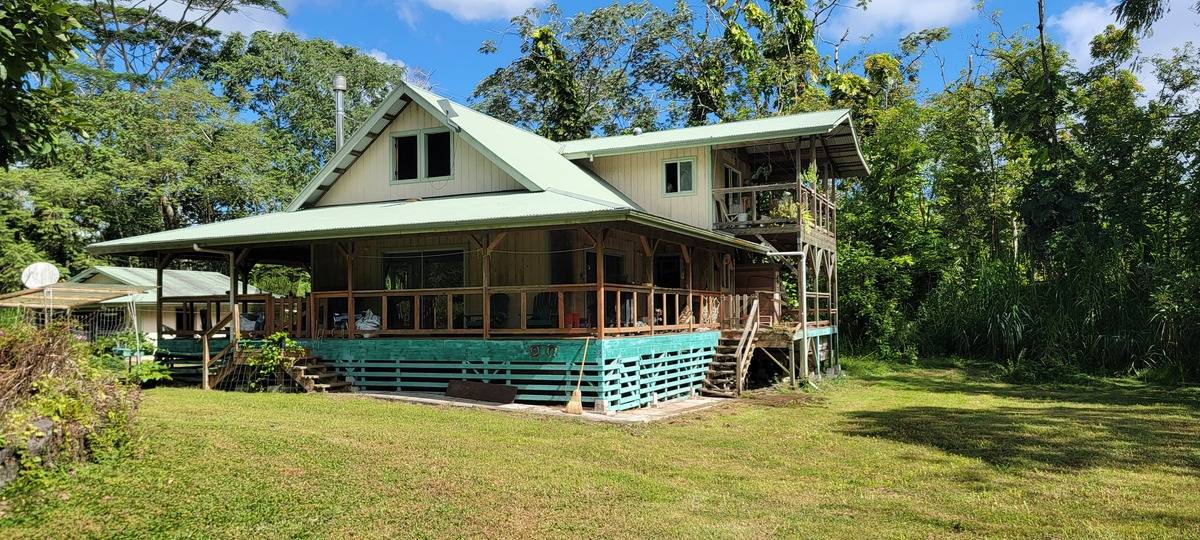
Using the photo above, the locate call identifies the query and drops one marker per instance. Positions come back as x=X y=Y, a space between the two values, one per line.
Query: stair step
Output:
x=325 y=387
x=320 y=376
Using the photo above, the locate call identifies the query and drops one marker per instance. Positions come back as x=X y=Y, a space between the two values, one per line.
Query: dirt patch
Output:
x=784 y=399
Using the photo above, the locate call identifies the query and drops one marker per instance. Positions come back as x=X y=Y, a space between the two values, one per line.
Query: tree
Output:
x=286 y=83
x=1140 y=15
x=598 y=71
x=144 y=44
x=36 y=38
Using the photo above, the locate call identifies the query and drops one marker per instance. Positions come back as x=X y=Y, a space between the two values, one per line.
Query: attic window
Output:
x=437 y=154
x=405 y=158
x=679 y=176
x=422 y=155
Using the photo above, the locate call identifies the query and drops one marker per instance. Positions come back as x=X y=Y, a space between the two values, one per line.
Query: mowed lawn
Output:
x=921 y=452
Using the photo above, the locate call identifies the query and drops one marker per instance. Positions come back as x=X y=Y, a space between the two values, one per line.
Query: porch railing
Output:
x=751 y=209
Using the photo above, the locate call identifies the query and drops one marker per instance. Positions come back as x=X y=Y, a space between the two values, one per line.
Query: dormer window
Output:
x=679 y=176
x=422 y=155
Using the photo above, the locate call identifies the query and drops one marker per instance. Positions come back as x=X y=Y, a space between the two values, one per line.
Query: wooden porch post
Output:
x=649 y=249
x=802 y=292
x=159 y=263
x=349 y=256
x=687 y=259
x=600 y=283
x=489 y=244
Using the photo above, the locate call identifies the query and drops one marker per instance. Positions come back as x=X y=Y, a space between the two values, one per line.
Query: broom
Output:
x=575 y=406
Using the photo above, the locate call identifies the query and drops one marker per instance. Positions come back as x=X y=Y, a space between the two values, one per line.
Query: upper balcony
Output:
x=776 y=188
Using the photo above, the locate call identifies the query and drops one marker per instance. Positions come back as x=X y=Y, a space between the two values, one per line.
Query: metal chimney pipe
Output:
x=339 y=94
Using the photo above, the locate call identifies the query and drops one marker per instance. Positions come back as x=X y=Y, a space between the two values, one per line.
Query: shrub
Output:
x=52 y=392
x=275 y=353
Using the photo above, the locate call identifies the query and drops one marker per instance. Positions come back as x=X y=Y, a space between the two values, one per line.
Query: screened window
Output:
x=678 y=176
x=405 y=154
x=437 y=154
x=424 y=270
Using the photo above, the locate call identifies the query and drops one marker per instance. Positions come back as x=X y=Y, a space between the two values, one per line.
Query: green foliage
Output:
x=598 y=71
x=276 y=353
x=36 y=38
x=117 y=353
x=286 y=83
x=48 y=375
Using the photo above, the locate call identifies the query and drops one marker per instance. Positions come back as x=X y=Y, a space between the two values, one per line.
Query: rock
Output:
x=8 y=465
x=39 y=441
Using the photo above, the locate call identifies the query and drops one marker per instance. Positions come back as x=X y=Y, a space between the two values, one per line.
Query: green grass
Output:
x=913 y=452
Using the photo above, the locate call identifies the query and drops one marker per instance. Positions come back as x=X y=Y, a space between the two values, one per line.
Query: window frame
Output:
x=422 y=155
x=662 y=168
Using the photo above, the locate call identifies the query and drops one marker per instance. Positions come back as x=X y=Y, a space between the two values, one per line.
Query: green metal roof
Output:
x=459 y=213
x=532 y=160
x=175 y=282
x=835 y=124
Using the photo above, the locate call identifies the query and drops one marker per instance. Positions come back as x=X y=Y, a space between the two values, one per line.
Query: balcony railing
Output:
x=774 y=208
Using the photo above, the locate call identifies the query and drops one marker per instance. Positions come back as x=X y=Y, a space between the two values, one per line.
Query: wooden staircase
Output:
x=726 y=375
x=315 y=376
x=308 y=371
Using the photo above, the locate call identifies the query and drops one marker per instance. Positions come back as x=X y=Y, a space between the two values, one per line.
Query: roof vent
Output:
x=637 y=131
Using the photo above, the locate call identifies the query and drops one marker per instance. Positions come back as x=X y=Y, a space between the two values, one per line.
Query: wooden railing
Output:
x=229 y=320
x=560 y=310
x=749 y=209
x=260 y=315
x=745 y=347
x=513 y=310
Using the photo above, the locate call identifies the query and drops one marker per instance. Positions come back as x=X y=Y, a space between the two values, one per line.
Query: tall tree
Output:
x=601 y=70
x=143 y=44
x=286 y=83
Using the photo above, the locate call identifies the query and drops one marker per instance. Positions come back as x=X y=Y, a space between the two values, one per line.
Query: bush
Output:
x=52 y=392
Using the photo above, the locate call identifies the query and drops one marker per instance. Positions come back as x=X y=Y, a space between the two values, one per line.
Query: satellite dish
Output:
x=39 y=274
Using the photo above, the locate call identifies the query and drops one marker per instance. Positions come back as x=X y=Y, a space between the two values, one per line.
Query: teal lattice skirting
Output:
x=624 y=373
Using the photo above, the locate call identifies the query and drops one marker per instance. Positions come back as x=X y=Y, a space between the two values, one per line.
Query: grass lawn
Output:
x=917 y=452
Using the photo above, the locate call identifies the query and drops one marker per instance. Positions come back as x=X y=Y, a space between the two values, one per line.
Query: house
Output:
x=192 y=293
x=444 y=244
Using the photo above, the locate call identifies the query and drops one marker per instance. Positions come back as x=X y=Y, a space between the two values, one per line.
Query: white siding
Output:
x=640 y=177
x=369 y=178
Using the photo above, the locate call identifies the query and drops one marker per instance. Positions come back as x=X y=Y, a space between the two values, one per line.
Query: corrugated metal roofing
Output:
x=428 y=215
x=175 y=282
x=728 y=132
x=459 y=213
x=834 y=123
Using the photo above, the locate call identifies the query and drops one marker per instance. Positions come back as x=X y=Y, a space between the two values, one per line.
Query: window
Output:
x=406 y=158
x=423 y=155
x=423 y=270
x=678 y=176
x=437 y=154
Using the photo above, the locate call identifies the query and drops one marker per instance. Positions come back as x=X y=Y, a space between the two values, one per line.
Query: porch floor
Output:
x=645 y=415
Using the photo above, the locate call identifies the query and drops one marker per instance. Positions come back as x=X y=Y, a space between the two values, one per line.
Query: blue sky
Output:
x=442 y=37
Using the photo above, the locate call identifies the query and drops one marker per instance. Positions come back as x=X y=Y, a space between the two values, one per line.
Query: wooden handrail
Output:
x=745 y=345
x=232 y=319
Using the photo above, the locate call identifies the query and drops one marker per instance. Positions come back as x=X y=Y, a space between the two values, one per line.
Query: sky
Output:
x=442 y=37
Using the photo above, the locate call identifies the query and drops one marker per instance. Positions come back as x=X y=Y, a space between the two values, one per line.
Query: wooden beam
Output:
x=496 y=241
x=600 y=283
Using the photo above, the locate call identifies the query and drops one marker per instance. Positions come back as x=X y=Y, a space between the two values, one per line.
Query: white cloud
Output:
x=1078 y=24
x=467 y=10
x=898 y=16
x=382 y=56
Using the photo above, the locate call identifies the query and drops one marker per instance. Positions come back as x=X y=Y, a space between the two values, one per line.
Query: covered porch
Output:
x=517 y=283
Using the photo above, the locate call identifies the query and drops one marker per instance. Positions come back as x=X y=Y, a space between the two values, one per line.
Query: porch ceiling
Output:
x=449 y=214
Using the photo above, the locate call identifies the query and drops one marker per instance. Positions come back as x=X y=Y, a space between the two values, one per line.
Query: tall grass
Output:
x=1097 y=316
